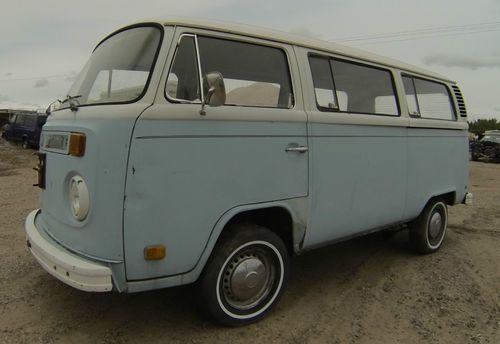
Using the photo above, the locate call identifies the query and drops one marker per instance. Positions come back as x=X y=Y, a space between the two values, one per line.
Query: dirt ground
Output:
x=367 y=290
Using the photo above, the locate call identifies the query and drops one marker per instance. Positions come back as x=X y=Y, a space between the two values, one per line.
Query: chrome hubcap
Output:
x=435 y=225
x=248 y=278
x=247 y=281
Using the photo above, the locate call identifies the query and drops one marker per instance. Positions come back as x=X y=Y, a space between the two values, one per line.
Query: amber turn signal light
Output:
x=154 y=252
x=77 y=142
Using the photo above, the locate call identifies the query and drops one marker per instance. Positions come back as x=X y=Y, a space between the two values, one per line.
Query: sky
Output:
x=44 y=44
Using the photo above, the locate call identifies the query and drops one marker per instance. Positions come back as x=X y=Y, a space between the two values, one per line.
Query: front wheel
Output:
x=245 y=275
x=427 y=232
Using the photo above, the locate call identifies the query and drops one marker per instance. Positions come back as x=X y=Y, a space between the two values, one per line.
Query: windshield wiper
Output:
x=73 y=102
x=51 y=106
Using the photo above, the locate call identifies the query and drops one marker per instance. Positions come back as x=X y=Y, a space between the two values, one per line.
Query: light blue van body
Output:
x=158 y=172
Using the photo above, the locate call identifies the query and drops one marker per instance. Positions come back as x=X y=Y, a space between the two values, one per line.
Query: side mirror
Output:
x=213 y=82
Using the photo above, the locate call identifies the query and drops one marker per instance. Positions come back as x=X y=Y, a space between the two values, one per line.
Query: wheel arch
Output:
x=295 y=208
x=449 y=197
x=286 y=218
x=277 y=219
x=448 y=194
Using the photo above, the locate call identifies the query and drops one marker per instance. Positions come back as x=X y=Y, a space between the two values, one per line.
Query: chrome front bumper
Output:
x=69 y=268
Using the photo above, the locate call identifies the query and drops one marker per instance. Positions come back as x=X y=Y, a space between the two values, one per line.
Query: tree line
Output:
x=479 y=126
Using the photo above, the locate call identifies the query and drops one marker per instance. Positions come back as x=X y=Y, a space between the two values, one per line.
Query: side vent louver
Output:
x=460 y=101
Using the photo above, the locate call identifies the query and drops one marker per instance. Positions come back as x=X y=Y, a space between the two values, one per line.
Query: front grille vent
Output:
x=460 y=101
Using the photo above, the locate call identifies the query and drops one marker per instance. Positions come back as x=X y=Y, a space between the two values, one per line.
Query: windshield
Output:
x=491 y=138
x=119 y=69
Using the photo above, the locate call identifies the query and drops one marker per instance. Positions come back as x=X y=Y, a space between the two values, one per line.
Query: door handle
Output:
x=293 y=147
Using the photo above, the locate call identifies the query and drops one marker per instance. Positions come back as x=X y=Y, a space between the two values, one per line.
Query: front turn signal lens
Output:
x=154 y=252
x=77 y=142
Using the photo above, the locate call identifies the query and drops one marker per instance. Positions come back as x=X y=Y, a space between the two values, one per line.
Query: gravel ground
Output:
x=367 y=290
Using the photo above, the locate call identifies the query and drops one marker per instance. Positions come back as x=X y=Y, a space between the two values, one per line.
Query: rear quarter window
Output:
x=428 y=99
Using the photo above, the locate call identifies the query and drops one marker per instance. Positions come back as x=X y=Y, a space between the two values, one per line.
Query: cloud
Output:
x=71 y=77
x=449 y=60
x=41 y=83
x=4 y=98
x=8 y=74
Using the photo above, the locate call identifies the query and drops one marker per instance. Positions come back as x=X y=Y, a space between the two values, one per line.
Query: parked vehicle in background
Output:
x=488 y=148
x=25 y=128
x=191 y=151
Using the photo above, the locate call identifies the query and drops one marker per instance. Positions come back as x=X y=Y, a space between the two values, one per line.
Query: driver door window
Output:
x=254 y=75
x=182 y=82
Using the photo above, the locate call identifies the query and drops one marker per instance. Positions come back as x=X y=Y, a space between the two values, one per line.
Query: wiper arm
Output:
x=73 y=102
x=49 y=109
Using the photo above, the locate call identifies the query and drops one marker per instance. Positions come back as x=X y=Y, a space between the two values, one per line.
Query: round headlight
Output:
x=79 y=199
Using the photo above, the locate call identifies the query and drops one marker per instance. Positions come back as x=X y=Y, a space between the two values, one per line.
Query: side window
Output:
x=182 y=81
x=433 y=100
x=367 y=89
x=411 y=96
x=324 y=89
x=30 y=121
x=428 y=99
x=342 y=99
x=13 y=119
x=254 y=75
x=20 y=119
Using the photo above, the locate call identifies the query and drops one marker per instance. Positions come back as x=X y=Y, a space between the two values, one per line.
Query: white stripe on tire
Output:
x=444 y=228
x=269 y=303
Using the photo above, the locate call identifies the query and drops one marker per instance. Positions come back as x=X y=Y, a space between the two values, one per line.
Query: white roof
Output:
x=284 y=37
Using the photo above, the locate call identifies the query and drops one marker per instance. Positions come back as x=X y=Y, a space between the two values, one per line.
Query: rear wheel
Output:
x=427 y=232
x=245 y=276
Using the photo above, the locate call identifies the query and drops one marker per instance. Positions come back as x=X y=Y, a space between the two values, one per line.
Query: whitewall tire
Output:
x=245 y=276
x=428 y=231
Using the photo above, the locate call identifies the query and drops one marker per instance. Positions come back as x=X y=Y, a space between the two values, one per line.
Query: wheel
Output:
x=25 y=144
x=429 y=229
x=245 y=276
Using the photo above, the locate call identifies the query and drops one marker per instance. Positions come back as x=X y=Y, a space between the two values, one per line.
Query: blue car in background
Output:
x=25 y=128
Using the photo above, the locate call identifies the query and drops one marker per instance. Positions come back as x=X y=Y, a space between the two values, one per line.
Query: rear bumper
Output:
x=69 y=268
x=468 y=199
